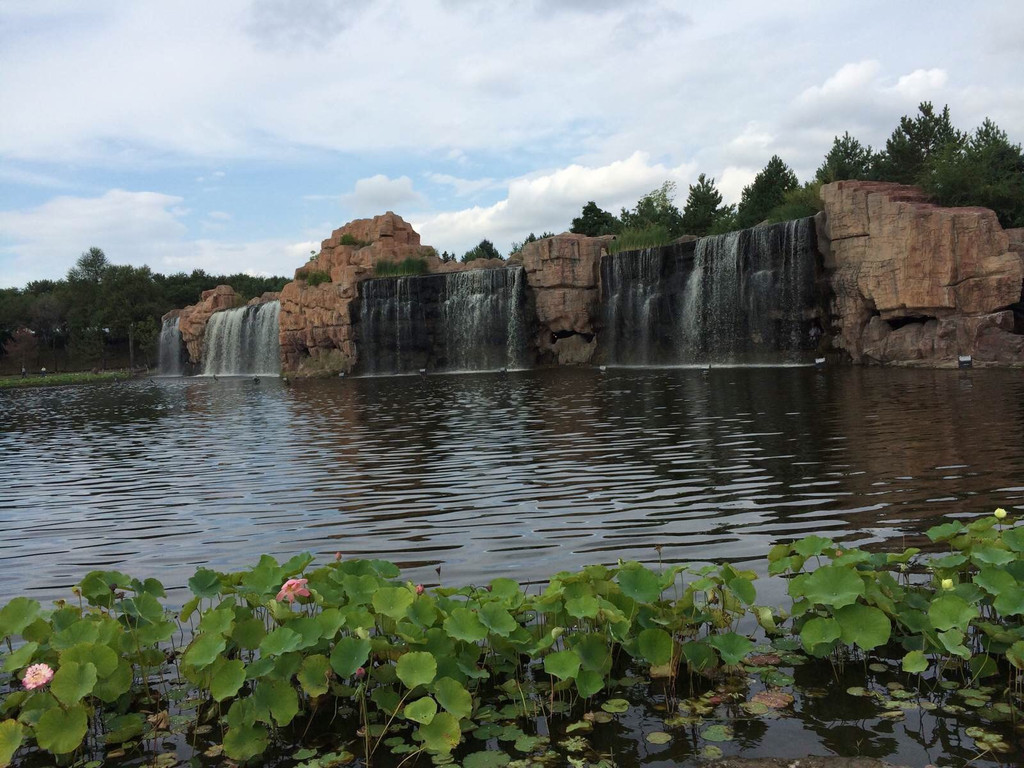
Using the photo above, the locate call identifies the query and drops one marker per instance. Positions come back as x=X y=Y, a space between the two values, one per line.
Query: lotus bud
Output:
x=1000 y=513
x=947 y=584
x=360 y=673
x=419 y=589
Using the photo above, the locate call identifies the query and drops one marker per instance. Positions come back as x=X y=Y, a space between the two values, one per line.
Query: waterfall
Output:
x=171 y=349
x=744 y=297
x=457 y=321
x=243 y=341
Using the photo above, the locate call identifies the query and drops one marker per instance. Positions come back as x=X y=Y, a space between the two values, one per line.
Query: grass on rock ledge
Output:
x=291 y=664
x=60 y=379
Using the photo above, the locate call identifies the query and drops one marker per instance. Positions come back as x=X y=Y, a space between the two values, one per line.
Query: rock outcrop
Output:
x=316 y=308
x=564 y=273
x=193 y=318
x=915 y=283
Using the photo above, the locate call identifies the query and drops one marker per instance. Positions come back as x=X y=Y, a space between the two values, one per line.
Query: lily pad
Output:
x=615 y=706
x=717 y=733
x=773 y=699
x=658 y=737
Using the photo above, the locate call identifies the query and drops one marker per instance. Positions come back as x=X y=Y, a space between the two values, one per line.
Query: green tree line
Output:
x=101 y=314
x=956 y=168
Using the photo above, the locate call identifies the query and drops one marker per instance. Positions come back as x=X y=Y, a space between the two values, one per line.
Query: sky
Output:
x=235 y=135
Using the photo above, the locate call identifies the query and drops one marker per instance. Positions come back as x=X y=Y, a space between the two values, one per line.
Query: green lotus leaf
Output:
x=442 y=734
x=16 y=615
x=915 y=662
x=699 y=655
x=583 y=607
x=421 y=711
x=1014 y=538
x=487 y=759
x=124 y=728
x=73 y=682
x=349 y=654
x=279 y=641
x=639 y=583
x=278 y=698
x=655 y=646
x=314 y=673
x=731 y=647
x=61 y=730
x=11 y=736
x=658 y=737
x=217 y=622
x=944 y=532
x=1015 y=654
x=20 y=658
x=953 y=641
x=615 y=706
x=948 y=611
x=203 y=650
x=594 y=652
x=416 y=668
x=392 y=601
x=588 y=682
x=227 y=679
x=989 y=555
x=819 y=632
x=117 y=683
x=101 y=656
x=463 y=624
x=717 y=733
x=453 y=696
x=562 y=664
x=863 y=625
x=497 y=619
x=833 y=585
x=1011 y=602
x=996 y=581
x=743 y=588
x=243 y=742
x=205 y=583
x=249 y=633
x=812 y=545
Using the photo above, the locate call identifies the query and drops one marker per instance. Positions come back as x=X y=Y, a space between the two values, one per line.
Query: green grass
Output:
x=640 y=239
x=411 y=266
x=59 y=379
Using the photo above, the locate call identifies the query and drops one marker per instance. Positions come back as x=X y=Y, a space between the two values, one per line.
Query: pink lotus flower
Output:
x=360 y=673
x=37 y=676
x=419 y=589
x=337 y=556
x=293 y=588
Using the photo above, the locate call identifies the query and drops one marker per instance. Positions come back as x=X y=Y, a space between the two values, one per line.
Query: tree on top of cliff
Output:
x=594 y=222
x=913 y=142
x=517 y=246
x=985 y=170
x=484 y=250
x=655 y=210
x=767 y=191
x=703 y=207
x=847 y=159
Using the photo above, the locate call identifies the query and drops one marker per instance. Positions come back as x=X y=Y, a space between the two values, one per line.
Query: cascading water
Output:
x=744 y=297
x=457 y=321
x=171 y=349
x=243 y=341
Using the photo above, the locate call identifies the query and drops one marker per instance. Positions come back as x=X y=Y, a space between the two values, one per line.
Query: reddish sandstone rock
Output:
x=564 y=273
x=316 y=320
x=192 y=319
x=911 y=280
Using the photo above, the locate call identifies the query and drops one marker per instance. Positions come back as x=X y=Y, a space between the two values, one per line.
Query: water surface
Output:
x=519 y=474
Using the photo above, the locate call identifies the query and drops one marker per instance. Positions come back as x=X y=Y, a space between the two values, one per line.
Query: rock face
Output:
x=316 y=319
x=193 y=318
x=564 y=273
x=915 y=283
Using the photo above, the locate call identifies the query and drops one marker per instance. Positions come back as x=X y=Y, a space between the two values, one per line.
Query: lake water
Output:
x=519 y=474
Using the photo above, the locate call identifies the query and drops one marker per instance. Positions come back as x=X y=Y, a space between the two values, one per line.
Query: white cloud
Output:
x=462 y=187
x=132 y=228
x=380 y=193
x=549 y=201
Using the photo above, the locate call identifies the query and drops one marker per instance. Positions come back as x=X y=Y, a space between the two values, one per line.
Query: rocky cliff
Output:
x=193 y=318
x=563 y=273
x=915 y=283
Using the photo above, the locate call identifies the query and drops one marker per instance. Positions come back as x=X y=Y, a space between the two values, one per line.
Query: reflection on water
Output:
x=521 y=474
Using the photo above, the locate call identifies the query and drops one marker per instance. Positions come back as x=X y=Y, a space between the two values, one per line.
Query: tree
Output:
x=130 y=298
x=594 y=222
x=913 y=142
x=767 y=191
x=847 y=159
x=484 y=250
x=703 y=207
x=85 y=304
x=985 y=169
x=47 y=321
x=655 y=209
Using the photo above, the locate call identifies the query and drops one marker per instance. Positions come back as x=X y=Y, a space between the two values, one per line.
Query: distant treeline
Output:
x=101 y=315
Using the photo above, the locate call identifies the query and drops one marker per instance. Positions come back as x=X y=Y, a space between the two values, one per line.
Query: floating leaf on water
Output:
x=763 y=660
x=928 y=706
x=582 y=725
x=755 y=707
x=527 y=743
x=574 y=744
x=680 y=720
x=778 y=679
x=658 y=737
x=486 y=759
x=857 y=690
x=892 y=714
x=717 y=733
x=711 y=752
x=773 y=699
x=876 y=667
x=902 y=694
x=894 y=686
x=602 y=717
x=615 y=706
